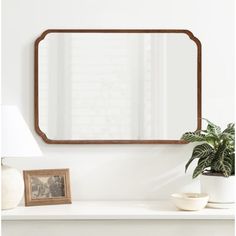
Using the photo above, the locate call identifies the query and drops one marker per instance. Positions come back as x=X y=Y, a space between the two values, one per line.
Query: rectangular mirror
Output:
x=117 y=86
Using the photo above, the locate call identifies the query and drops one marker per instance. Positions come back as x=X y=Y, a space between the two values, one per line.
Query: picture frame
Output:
x=47 y=187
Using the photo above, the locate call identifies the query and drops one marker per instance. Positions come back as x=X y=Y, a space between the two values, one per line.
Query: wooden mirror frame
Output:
x=36 y=97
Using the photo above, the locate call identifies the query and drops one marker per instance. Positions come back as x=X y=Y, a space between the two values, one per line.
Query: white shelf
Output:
x=113 y=210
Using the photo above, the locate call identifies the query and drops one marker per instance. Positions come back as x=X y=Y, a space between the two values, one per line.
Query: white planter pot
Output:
x=220 y=189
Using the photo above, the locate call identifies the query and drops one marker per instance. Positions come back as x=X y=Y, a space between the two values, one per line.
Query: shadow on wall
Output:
x=111 y=172
x=174 y=181
x=149 y=174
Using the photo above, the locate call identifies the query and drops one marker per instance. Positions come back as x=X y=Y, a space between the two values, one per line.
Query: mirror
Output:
x=117 y=86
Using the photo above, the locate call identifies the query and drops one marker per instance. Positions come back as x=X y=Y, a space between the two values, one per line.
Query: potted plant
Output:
x=216 y=157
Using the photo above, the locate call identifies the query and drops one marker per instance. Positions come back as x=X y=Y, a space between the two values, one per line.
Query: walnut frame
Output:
x=43 y=173
x=36 y=96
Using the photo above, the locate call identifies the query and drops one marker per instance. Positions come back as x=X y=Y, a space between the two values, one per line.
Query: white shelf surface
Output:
x=114 y=210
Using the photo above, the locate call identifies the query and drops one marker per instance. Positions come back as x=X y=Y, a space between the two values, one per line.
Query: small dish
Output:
x=220 y=205
x=190 y=201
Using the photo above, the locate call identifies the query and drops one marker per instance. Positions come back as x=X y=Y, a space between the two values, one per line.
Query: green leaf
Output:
x=223 y=162
x=212 y=128
x=227 y=137
x=212 y=139
x=200 y=151
x=193 y=137
x=232 y=155
x=203 y=163
x=230 y=129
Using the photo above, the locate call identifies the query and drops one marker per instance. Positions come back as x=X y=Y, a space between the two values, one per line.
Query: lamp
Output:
x=17 y=141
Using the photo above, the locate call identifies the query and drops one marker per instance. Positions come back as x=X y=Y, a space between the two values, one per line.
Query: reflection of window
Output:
x=112 y=86
x=101 y=88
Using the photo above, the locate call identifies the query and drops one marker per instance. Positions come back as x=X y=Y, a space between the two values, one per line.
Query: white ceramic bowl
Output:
x=190 y=201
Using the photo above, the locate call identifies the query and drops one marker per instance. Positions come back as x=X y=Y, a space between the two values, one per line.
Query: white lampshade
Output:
x=17 y=140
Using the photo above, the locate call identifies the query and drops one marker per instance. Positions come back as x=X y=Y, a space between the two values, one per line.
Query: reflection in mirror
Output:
x=117 y=86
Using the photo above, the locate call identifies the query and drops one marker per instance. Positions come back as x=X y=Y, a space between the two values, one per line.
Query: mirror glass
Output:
x=117 y=86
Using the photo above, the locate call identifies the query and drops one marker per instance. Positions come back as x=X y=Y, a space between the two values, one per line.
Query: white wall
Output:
x=128 y=171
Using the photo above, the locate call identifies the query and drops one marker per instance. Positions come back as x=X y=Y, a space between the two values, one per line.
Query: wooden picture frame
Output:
x=47 y=187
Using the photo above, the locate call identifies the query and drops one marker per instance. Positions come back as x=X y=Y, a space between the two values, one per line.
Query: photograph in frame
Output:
x=46 y=187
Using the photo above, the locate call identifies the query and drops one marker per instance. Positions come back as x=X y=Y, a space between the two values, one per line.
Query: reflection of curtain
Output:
x=149 y=65
x=158 y=90
x=59 y=93
x=135 y=68
x=147 y=53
